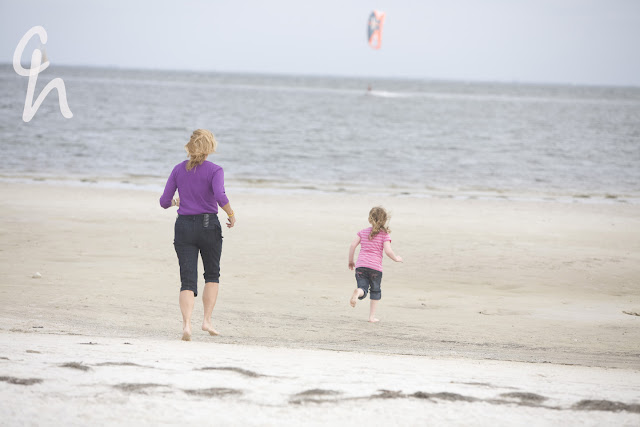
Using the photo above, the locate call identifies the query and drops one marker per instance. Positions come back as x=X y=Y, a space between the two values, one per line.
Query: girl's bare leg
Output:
x=209 y=298
x=372 y=311
x=357 y=293
x=186 y=307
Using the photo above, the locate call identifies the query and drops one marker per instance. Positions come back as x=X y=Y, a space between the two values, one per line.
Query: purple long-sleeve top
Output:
x=201 y=189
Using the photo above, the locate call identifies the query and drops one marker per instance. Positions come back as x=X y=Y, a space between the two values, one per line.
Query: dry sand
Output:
x=71 y=380
x=483 y=281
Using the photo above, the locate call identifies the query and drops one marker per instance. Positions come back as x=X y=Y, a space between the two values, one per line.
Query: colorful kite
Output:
x=375 y=29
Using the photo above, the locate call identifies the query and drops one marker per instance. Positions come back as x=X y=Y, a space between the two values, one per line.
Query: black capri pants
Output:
x=195 y=234
x=368 y=278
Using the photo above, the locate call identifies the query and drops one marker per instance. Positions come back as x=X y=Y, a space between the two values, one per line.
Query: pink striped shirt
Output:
x=371 y=250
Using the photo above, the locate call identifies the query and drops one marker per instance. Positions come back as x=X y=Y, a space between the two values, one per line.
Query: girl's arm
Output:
x=352 y=251
x=389 y=252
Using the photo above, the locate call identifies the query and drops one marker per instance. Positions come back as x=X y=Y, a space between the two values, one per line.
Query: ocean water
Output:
x=301 y=133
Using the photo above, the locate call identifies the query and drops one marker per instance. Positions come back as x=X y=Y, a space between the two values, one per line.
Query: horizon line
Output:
x=347 y=76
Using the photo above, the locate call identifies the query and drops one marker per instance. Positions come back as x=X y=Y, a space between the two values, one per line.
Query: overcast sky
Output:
x=548 y=41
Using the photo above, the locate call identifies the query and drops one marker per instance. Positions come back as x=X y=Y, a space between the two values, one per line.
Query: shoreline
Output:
x=262 y=186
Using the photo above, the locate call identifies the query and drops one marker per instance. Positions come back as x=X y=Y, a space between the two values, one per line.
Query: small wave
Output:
x=142 y=175
x=484 y=97
x=149 y=184
x=387 y=94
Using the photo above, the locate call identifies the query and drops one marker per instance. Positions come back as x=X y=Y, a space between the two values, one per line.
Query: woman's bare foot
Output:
x=208 y=328
x=373 y=320
x=186 y=333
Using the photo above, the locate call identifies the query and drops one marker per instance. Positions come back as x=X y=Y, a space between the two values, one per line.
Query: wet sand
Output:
x=545 y=283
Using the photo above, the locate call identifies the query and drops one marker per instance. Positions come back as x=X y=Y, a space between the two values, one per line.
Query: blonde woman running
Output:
x=200 y=185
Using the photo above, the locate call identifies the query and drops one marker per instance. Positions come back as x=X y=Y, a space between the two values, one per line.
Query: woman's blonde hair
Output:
x=378 y=219
x=201 y=144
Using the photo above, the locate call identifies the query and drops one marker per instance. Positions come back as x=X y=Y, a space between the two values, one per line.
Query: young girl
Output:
x=373 y=240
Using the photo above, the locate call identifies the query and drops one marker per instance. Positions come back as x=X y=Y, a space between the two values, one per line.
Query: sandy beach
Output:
x=513 y=296
x=72 y=380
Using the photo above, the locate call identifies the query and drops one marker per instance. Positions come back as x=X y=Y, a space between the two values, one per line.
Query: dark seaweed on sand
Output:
x=317 y=392
x=136 y=387
x=21 y=381
x=606 y=405
x=213 y=392
x=233 y=369
x=76 y=365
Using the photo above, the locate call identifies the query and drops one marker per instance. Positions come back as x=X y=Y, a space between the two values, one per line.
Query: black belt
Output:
x=205 y=218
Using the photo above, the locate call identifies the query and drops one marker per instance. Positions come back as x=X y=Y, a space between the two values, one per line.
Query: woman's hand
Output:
x=175 y=202
x=231 y=220
x=352 y=265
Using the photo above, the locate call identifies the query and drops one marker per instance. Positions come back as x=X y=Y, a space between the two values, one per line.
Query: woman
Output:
x=200 y=185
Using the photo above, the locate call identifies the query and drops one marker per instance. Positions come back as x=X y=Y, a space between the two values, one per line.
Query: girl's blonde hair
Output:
x=201 y=144
x=378 y=219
